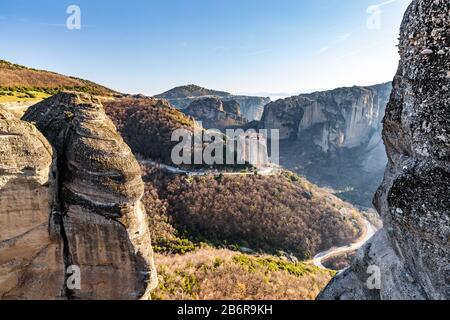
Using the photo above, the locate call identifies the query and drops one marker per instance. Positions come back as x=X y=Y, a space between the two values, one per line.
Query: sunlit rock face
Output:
x=334 y=137
x=413 y=199
x=31 y=251
x=99 y=188
x=251 y=108
x=341 y=118
x=215 y=113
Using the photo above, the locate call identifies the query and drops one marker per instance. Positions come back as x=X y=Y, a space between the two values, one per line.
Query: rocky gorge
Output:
x=334 y=138
x=87 y=183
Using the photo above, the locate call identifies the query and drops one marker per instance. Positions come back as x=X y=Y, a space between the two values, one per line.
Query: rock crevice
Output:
x=91 y=214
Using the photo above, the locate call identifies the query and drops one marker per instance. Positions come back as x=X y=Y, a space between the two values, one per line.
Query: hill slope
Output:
x=190 y=91
x=14 y=77
x=146 y=124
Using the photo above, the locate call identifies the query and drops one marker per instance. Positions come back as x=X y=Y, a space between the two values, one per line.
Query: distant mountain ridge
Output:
x=252 y=108
x=190 y=90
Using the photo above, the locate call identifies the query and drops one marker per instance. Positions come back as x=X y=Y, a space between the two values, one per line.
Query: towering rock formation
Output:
x=252 y=108
x=86 y=213
x=31 y=250
x=412 y=252
x=334 y=138
x=215 y=113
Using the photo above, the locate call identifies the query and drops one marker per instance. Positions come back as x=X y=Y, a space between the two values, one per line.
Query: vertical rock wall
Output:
x=31 y=251
x=413 y=251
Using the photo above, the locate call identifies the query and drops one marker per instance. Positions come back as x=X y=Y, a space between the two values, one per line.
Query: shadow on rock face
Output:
x=98 y=189
x=414 y=197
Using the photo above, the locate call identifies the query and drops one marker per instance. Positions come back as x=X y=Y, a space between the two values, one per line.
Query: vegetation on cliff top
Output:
x=18 y=78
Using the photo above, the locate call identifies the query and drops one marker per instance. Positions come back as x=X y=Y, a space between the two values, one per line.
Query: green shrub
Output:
x=174 y=246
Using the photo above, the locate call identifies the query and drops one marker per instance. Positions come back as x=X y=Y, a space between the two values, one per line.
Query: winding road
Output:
x=322 y=256
x=369 y=231
x=267 y=171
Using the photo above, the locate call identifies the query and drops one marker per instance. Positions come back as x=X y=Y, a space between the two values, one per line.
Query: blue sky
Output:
x=242 y=46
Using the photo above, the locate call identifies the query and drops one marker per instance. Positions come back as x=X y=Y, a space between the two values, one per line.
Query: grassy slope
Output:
x=219 y=274
x=20 y=79
x=19 y=97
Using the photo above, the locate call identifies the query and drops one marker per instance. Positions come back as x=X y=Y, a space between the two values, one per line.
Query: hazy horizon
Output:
x=267 y=48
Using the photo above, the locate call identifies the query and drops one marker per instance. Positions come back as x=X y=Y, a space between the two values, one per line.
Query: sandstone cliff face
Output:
x=344 y=118
x=413 y=251
x=215 y=113
x=334 y=138
x=102 y=222
x=31 y=251
x=252 y=108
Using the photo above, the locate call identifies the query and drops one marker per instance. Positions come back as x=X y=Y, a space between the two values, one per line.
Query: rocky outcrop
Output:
x=342 y=118
x=31 y=251
x=101 y=221
x=413 y=251
x=252 y=108
x=215 y=113
x=334 y=138
x=232 y=107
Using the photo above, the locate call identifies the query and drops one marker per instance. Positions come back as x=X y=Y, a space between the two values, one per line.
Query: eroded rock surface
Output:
x=334 y=138
x=31 y=251
x=99 y=188
x=413 y=251
x=215 y=113
x=252 y=108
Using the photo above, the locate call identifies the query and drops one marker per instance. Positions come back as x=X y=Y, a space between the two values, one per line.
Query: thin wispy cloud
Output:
x=323 y=50
x=343 y=37
x=339 y=39
x=263 y=43
x=360 y=50
x=220 y=49
x=52 y=24
x=384 y=3
x=259 y=52
x=58 y=25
